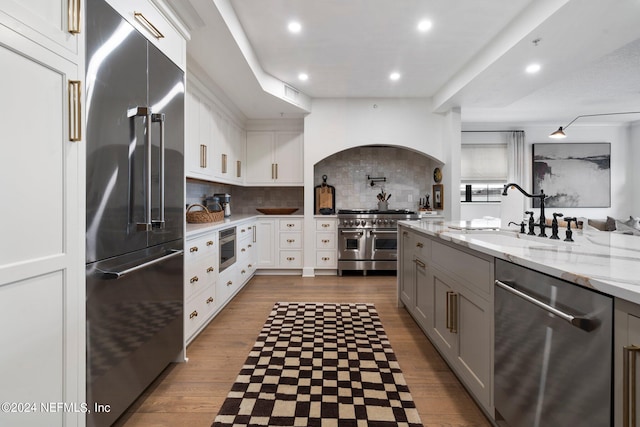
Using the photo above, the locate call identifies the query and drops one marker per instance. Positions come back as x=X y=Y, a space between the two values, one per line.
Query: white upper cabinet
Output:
x=274 y=158
x=52 y=23
x=159 y=27
x=214 y=143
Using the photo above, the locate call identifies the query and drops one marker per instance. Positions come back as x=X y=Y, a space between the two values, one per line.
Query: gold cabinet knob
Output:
x=193 y=314
x=194 y=279
x=193 y=249
x=210 y=270
x=209 y=300
x=210 y=243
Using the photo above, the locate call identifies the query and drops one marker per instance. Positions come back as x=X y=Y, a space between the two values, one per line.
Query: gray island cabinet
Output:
x=446 y=281
x=449 y=292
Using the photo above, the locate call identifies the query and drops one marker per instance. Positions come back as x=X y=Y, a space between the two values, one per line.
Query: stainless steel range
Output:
x=368 y=239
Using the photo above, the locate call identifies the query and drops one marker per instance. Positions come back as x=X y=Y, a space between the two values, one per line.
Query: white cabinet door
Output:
x=199 y=136
x=49 y=22
x=288 y=158
x=42 y=253
x=266 y=241
x=259 y=158
x=274 y=158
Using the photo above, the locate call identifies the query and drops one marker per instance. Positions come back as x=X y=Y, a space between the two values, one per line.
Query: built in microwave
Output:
x=227 y=238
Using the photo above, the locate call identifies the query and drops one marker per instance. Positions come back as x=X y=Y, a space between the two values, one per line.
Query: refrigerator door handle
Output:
x=114 y=275
x=159 y=118
x=145 y=112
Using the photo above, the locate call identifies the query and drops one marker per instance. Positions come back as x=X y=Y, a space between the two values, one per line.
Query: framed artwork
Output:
x=438 y=197
x=573 y=175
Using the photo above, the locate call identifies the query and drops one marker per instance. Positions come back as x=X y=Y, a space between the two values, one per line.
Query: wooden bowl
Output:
x=277 y=211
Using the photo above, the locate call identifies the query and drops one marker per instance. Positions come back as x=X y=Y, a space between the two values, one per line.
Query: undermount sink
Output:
x=509 y=238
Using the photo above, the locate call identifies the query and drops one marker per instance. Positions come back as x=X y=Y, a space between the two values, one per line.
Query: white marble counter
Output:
x=194 y=229
x=605 y=261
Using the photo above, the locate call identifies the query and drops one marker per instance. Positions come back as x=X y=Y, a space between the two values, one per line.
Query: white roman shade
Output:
x=483 y=157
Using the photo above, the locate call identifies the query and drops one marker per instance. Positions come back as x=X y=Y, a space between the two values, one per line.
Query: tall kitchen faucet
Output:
x=542 y=223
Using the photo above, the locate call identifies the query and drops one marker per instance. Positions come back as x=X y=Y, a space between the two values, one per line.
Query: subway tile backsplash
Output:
x=407 y=174
x=245 y=200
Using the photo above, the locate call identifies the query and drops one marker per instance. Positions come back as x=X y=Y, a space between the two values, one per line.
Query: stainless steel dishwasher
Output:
x=553 y=351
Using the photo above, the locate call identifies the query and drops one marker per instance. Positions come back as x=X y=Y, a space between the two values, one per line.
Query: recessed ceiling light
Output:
x=303 y=76
x=294 y=27
x=394 y=76
x=424 y=25
x=532 y=68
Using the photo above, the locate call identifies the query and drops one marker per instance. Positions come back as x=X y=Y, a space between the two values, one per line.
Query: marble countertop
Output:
x=605 y=261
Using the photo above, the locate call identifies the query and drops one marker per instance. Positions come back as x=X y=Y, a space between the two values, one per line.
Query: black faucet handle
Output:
x=569 y=233
x=558 y=215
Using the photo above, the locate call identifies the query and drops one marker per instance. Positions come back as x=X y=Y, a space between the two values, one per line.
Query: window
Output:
x=483 y=166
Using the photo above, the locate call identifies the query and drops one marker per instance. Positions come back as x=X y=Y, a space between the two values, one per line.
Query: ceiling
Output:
x=473 y=57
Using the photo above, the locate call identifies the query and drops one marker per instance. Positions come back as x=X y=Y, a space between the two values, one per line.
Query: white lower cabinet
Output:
x=206 y=289
x=326 y=235
x=280 y=242
x=445 y=290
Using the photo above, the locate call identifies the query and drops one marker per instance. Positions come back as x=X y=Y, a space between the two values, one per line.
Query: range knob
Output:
x=386 y=221
x=373 y=221
x=357 y=222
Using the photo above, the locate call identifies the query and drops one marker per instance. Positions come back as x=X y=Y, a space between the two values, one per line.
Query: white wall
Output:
x=338 y=124
x=624 y=156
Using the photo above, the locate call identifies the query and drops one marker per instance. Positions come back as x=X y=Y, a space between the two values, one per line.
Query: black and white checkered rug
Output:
x=320 y=365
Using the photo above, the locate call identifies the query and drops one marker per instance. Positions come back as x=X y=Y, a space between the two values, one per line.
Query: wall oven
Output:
x=368 y=239
x=227 y=238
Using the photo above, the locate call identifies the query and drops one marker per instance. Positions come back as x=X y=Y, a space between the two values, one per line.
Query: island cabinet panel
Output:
x=449 y=293
x=626 y=345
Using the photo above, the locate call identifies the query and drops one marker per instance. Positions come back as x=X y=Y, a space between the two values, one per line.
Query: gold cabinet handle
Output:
x=74 y=16
x=148 y=25
x=203 y=156
x=75 y=111
x=209 y=300
x=420 y=263
x=290 y=258
x=238 y=169
x=419 y=245
x=249 y=246
x=629 y=385
x=291 y=240
x=325 y=240
x=325 y=258
x=276 y=171
x=210 y=270
x=194 y=279
x=272 y=171
x=452 y=312
x=243 y=250
x=224 y=163
x=242 y=230
x=291 y=225
x=405 y=233
x=229 y=283
x=193 y=249
x=210 y=243
x=243 y=272
x=325 y=225
x=193 y=314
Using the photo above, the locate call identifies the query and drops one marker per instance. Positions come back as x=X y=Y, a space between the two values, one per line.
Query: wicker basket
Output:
x=203 y=216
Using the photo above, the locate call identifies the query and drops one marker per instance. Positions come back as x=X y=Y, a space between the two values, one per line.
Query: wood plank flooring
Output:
x=190 y=394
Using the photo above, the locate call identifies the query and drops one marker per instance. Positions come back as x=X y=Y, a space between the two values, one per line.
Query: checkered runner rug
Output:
x=320 y=365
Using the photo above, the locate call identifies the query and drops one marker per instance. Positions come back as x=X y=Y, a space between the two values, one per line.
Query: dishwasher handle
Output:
x=579 y=322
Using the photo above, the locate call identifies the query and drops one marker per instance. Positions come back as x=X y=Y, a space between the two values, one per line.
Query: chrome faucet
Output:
x=542 y=222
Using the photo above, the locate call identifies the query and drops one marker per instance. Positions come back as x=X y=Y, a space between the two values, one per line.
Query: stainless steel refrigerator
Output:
x=135 y=212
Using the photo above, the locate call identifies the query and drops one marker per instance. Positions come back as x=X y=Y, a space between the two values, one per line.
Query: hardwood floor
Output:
x=190 y=394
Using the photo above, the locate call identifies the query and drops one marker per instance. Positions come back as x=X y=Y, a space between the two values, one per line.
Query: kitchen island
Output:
x=447 y=282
